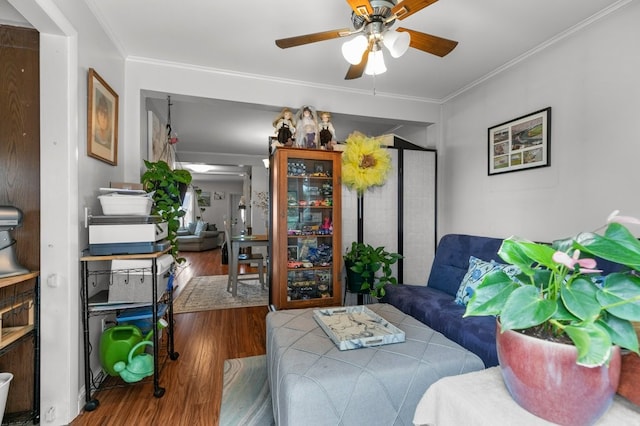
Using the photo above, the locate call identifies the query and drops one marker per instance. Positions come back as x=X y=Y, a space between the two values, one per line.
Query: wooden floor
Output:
x=193 y=382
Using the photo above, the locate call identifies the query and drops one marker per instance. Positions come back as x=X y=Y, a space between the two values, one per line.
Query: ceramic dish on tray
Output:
x=353 y=327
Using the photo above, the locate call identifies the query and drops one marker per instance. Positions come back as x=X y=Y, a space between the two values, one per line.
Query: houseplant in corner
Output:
x=168 y=188
x=561 y=297
x=369 y=269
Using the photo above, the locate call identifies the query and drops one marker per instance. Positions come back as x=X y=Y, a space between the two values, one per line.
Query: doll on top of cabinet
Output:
x=307 y=132
x=285 y=127
x=327 y=131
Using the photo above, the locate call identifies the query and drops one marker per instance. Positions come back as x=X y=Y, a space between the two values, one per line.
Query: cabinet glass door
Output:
x=309 y=229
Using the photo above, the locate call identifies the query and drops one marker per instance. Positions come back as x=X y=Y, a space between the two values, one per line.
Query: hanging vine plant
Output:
x=364 y=163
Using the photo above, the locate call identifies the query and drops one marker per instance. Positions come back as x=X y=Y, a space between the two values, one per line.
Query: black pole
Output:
x=360 y=218
x=360 y=296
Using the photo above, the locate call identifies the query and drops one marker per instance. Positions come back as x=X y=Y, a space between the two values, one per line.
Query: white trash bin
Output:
x=5 y=380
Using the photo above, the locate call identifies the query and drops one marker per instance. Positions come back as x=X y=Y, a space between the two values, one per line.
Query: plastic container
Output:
x=5 y=381
x=141 y=317
x=118 y=204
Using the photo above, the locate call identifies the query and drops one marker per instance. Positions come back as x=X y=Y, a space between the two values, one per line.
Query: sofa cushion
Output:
x=438 y=310
x=452 y=259
x=200 y=226
x=192 y=227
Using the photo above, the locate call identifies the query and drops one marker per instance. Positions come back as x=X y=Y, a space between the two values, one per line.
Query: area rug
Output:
x=246 y=399
x=208 y=293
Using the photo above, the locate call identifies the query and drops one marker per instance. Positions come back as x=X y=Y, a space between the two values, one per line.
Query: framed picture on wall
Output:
x=520 y=144
x=159 y=147
x=204 y=199
x=217 y=195
x=102 y=120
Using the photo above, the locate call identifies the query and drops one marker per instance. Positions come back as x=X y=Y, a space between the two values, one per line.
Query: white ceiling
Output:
x=238 y=37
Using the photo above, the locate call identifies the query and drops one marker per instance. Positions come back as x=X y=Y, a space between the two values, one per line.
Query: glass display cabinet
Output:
x=305 y=228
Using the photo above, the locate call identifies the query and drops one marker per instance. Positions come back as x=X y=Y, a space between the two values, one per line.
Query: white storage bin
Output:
x=131 y=280
x=118 y=204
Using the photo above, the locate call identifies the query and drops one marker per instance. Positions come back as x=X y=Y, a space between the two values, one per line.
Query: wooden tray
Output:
x=354 y=327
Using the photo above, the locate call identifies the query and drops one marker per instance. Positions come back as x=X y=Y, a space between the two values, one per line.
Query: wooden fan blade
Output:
x=361 y=7
x=356 y=71
x=429 y=43
x=406 y=8
x=285 y=43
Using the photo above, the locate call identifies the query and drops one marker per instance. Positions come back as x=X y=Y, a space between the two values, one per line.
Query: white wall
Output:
x=590 y=79
x=191 y=81
x=218 y=209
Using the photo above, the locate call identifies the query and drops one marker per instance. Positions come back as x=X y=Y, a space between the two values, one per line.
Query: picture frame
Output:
x=217 y=195
x=521 y=143
x=159 y=148
x=102 y=120
x=204 y=199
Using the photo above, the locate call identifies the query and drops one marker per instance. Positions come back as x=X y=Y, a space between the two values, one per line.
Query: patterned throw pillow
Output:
x=478 y=268
x=201 y=226
x=192 y=227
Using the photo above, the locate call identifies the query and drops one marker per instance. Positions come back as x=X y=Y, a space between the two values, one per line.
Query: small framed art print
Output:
x=520 y=144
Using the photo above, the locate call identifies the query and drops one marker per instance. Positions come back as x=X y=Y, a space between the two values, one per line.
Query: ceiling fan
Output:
x=372 y=21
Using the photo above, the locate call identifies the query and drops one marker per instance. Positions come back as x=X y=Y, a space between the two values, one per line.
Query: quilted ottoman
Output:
x=314 y=383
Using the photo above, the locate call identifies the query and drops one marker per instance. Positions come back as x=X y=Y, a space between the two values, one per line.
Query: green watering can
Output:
x=115 y=344
x=139 y=366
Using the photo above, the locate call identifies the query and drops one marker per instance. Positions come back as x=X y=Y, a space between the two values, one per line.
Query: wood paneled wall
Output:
x=20 y=180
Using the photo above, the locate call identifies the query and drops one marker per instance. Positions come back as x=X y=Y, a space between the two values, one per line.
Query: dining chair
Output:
x=257 y=258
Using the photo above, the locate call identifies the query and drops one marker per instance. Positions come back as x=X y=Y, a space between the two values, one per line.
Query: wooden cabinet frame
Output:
x=282 y=238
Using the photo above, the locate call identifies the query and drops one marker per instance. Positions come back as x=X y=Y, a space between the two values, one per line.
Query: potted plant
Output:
x=168 y=187
x=369 y=269
x=560 y=296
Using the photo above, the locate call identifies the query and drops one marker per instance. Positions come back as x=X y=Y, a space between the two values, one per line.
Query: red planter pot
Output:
x=544 y=379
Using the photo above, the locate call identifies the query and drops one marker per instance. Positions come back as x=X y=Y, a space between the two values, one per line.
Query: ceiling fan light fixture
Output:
x=375 y=64
x=353 y=49
x=397 y=42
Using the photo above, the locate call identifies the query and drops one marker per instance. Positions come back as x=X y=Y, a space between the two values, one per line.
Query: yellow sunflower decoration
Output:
x=364 y=163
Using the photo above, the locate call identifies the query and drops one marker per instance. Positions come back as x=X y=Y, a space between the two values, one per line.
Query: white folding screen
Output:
x=401 y=214
x=419 y=213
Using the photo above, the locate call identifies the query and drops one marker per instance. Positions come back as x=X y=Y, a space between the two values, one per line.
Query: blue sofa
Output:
x=434 y=304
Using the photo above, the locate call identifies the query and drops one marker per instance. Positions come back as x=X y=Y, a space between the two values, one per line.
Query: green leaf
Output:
x=526 y=308
x=620 y=296
x=621 y=331
x=524 y=254
x=491 y=295
x=617 y=245
x=562 y=314
x=580 y=299
x=593 y=344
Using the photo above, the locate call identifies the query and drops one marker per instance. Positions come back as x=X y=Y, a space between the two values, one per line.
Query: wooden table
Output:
x=237 y=242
